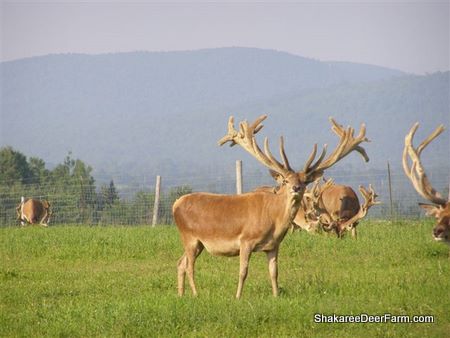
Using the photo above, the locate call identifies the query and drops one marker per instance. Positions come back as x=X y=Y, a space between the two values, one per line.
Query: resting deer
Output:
x=337 y=206
x=33 y=211
x=232 y=225
x=330 y=207
x=440 y=207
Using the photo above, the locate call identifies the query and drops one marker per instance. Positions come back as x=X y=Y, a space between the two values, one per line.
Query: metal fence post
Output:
x=390 y=191
x=157 y=197
x=22 y=201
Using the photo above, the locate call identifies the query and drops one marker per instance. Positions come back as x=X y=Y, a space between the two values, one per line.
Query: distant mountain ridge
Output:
x=147 y=112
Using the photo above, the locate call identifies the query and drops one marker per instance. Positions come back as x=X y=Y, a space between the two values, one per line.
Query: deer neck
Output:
x=291 y=204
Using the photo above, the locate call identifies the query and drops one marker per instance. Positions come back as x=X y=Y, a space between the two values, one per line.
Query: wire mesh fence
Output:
x=134 y=204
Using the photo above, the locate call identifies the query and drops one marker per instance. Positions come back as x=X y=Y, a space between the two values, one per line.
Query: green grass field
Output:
x=78 y=281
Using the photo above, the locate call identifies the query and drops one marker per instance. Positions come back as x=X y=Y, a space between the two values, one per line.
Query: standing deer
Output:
x=231 y=225
x=440 y=207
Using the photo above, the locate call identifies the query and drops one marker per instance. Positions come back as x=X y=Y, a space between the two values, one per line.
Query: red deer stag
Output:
x=337 y=206
x=440 y=208
x=231 y=225
x=34 y=211
x=330 y=207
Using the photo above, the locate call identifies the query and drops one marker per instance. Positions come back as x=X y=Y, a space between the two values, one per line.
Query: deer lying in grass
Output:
x=440 y=207
x=232 y=225
x=33 y=211
x=330 y=207
x=337 y=206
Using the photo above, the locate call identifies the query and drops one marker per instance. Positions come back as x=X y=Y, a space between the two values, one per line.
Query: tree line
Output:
x=73 y=194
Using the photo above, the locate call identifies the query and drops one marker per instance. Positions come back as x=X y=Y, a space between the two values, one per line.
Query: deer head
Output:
x=440 y=207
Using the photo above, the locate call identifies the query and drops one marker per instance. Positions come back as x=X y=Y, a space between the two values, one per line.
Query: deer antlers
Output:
x=245 y=137
x=369 y=201
x=347 y=143
x=416 y=173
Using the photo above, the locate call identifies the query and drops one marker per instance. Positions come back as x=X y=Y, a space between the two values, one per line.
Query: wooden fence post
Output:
x=157 y=197
x=238 y=177
x=390 y=190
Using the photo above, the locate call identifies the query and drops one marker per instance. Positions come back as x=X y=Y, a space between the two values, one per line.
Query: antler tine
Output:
x=315 y=191
x=244 y=129
x=328 y=183
x=369 y=201
x=416 y=173
x=283 y=154
x=231 y=134
x=268 y=153
x=310 y=158
x=339 y=130
x=369 y=196
x=245 y=137
x=319 y=160
x=430 y=138
x=375 y=195
x=257 y=126
x=347 y=143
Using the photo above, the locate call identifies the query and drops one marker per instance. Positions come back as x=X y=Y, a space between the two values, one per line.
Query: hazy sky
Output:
x=412 y=36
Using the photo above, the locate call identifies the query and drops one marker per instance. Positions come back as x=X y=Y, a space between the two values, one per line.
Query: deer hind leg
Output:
x=244 y=256
x=186 y=265
x=182 y=265
x=272 y=260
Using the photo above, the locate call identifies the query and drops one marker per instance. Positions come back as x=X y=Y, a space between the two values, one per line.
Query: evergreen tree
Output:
x=109 y=194
x=39 y=173
x=14 y=167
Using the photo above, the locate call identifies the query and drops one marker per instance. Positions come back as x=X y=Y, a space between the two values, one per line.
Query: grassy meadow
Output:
x=79 y=281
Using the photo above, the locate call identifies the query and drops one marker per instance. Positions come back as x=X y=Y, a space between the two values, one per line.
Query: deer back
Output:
x=340 y=202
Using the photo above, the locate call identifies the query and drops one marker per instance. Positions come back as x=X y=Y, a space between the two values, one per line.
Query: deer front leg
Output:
x=244 y=256
x=272 y=257
x=44 y=220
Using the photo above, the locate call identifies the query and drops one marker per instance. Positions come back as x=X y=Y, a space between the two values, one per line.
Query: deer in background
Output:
x=237 y=225
x=330 y=207
x=440 y=207
x=337 y=206
x=33 y=211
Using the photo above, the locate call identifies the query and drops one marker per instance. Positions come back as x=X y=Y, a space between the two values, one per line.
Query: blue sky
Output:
x=412 y=36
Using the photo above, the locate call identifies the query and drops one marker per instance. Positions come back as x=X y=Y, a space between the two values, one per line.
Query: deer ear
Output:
x=314 y=176
x=430 y=209
x=276 y=176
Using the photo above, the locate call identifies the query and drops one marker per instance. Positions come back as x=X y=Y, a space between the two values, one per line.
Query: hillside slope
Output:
x=152 y=112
